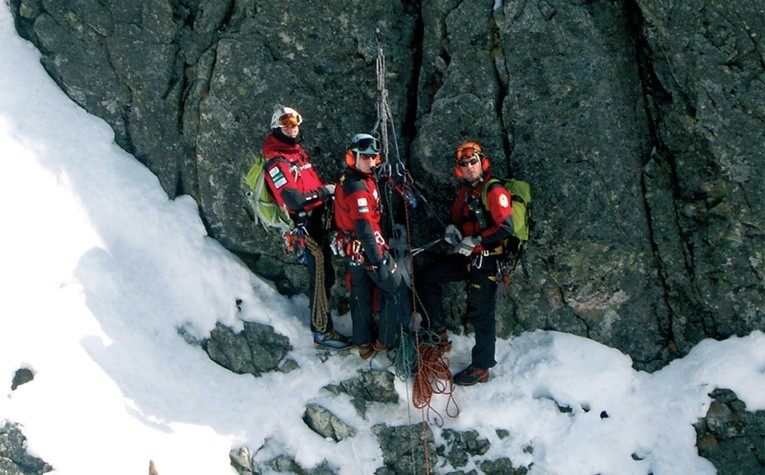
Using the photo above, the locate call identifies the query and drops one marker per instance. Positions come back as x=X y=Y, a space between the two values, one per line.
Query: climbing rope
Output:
x=432 y=374
x=320 y=308
x=383 y=107
x=433 y=377
x=421 y=358
x=427 y=362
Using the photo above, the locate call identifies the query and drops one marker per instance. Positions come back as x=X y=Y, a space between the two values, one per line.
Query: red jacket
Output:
x=290 y=177
x=474 y=219
x=358 y=212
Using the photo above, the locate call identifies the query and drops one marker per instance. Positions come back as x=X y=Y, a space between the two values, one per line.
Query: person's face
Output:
x=365 y=163
x=290 y=125
x=291 y=130
x=471 y=168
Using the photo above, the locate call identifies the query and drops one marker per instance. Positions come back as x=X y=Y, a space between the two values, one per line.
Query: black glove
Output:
x=387 y=274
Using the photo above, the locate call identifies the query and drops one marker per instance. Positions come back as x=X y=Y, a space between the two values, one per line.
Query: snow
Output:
x=100 y=269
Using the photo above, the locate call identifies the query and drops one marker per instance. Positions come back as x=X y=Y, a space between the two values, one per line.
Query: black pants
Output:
x=480 y=274
x=394 y=308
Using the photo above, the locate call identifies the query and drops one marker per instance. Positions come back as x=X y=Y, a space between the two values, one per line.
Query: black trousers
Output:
x=480 y=275
x=393 y=306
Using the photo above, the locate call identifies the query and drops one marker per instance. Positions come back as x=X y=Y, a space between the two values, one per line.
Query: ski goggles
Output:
x=367 y=146
x=466 y=163
x=467 y=152
x=290 y=120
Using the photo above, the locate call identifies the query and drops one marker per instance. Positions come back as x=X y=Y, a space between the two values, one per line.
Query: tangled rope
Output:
x=430 y=368
x=433 y=377
x=320 y=308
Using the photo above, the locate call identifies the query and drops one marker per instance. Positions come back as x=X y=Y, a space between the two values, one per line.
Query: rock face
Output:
x=640 y=125
x=731 y=437
x=404 y=448
x=14 y=459
x=370 y=386
x=257 y=349
x=321 y=420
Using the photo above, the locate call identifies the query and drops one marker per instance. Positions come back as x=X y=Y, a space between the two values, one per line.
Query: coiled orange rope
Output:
x=433 y=377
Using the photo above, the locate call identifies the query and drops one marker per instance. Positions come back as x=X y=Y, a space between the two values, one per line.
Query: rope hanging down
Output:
x=383 y=107
x=407 y=188
x=320 y=303
x=431 y=371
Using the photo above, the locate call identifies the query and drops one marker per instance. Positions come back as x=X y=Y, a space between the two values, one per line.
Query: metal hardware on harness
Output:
x=338 y=243
x=357 y=258
x=477 y=208
x=383 y=170
x=380 y=240
x=294 y=244
x=478 y=261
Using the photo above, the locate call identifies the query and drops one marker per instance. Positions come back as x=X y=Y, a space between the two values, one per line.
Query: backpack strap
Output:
x=488 y=186
x=491 y=184
x=277 y=158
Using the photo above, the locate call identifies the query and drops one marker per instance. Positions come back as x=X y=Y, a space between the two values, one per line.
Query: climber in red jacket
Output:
x=295 y=184
x=476 y=232
x=358 y=212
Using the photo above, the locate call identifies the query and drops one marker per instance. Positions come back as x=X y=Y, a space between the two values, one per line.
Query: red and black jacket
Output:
x=493 y=221
x=358 y=212
x=290 y=177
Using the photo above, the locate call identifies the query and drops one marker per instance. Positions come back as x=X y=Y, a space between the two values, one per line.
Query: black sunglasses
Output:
x=465 y=163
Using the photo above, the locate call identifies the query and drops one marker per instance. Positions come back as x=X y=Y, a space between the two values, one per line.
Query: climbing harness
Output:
x=295 y=244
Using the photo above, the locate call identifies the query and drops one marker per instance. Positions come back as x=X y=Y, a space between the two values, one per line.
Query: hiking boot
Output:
x=331 y=340
x=471 y=375
x=368 y=349
x=380 y=346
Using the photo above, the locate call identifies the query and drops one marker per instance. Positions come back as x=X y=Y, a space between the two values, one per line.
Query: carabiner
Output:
x=383 y=170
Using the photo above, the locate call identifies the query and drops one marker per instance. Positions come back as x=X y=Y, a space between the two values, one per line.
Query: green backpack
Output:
x=521 y=201
x=265 y=210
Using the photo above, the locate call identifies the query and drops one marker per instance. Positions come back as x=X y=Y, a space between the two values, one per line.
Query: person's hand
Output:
x=467 y=245
x=330 y=189
x=452 y=235
x=387 y=274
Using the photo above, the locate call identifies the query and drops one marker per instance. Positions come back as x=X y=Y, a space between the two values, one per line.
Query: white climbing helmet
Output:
x=285 y=116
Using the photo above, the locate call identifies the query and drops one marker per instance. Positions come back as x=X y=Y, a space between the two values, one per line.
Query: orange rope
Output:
x=433 y=377
x=419 y=370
